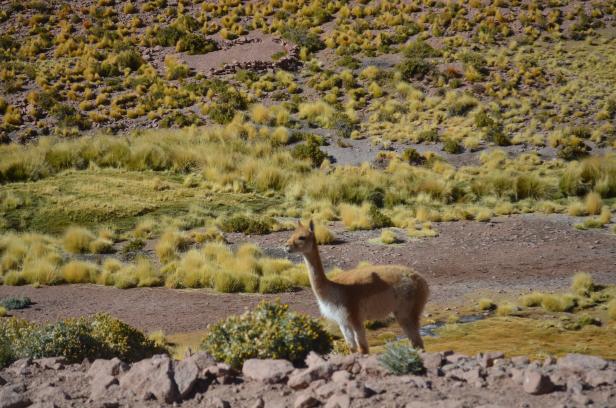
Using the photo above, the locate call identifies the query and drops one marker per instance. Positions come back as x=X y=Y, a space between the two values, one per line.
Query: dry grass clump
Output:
x=533 y=299
x=388 y=237
x=244 y=270
x=169 y=243
x=507 y=309
x=556 y=303
x=593 y=203
x=77 y=240
x=424 y=230
x=323 y=234
x=486 y=304
x=611 y=309
x=79 y=272
x=582 y=284
x=363 y=217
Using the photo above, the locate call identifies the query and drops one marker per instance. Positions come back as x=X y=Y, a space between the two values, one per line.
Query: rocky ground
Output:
x=449 y=380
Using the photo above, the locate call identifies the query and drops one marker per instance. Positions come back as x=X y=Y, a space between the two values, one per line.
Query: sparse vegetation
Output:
x=401 y=359
x=269 y=331
x=99 y=336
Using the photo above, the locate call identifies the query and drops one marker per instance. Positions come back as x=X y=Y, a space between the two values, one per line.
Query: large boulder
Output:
x=537 y=383
x=581 y=363
x=267 y=371
x=186 y=374
x=10 y=398
x=151 y=378
x=302 y=378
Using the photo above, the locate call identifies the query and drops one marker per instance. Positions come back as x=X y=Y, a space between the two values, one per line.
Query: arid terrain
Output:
x=156 y=155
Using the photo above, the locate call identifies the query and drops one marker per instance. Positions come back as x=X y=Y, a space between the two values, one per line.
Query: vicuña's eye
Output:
x=301 y=238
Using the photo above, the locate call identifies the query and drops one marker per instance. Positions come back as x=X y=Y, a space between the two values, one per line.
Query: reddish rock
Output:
x=305 y=400
x=267 y=371
x=537 y=383
x=581 y=362
x=151 y=378
x=185 y=374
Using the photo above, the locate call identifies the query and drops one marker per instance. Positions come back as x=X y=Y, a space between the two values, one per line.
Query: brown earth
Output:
x=503 y=258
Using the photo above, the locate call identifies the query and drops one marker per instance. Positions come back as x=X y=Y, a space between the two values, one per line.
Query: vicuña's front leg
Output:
x=349 y=337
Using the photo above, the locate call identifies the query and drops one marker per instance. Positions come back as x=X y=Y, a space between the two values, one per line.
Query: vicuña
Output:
x=364 y=293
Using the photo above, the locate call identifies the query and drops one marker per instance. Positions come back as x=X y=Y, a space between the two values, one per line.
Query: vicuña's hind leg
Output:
x=360 y=335
x=410 y=325
x=349 y=337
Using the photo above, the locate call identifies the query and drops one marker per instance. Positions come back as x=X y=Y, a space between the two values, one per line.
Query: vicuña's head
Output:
x=302 y=240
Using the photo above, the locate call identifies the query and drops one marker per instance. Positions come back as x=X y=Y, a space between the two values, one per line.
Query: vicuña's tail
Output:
x=420 y=298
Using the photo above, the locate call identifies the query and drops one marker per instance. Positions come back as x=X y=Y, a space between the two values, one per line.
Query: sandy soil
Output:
x=506 y=257
x=262 y=50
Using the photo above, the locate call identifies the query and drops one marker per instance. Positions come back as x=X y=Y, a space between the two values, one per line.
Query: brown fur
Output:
x=368 y=292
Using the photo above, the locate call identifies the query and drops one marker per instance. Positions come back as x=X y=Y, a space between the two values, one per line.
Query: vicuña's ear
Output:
x=299 y=223
x=311 y=226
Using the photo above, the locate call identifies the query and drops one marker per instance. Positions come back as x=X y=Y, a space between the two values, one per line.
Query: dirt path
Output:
x=507 y=257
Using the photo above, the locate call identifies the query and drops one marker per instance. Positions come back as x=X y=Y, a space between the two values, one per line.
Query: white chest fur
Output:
x=332 y=311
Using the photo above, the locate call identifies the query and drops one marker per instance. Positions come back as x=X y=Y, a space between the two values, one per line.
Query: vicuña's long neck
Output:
x=318 y=280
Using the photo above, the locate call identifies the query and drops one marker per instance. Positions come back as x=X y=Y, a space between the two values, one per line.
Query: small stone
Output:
x=327 y=390
x=51 y=363
x=11 y=399
x=517 y=375
x=343 y=362
x=486 y=360
x=338 y=401
x=520 y=360
x=217 y=403
x=305 y=400
x=151 y=377
x=581 y=362
x=537 y=383
x=371 y=365
x=303 y=378
x=267 y=371
x=581 y=399
x=313 y=359
x=202 y=359
x=356 y=389
x=456 y=358
x=100 y=385
x=104 y=367
x=185 y=374
x=432 y=361
x=50 y=394
x=341 y=376
x=259 y=403
x=595 y=378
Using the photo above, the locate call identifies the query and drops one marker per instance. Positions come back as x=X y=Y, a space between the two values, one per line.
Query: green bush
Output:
x=309 y=150
x=121 y=340
x=401 y=359
x=574 y=150
x=412 y=156
x=130 y=59
x=169 y=36
x=414 y=67
x=15 y=303
x=270 y=331
x=100 y=336
x=195 y=44
x=496 y=135
x=303 y=38
x=452 y=146
x=250 y=225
